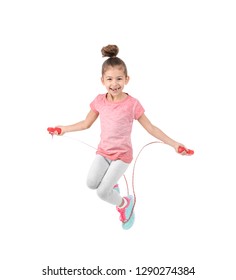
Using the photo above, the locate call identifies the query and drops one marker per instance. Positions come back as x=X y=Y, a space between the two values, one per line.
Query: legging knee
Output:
x=103 y=194
x=92 y=184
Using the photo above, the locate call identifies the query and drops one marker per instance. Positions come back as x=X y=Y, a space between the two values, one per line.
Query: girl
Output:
x=117 y=110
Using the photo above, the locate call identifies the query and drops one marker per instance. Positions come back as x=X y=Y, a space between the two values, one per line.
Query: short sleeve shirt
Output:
x=116 y=120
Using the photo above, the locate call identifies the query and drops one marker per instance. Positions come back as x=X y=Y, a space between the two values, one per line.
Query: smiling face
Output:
x=114 y=79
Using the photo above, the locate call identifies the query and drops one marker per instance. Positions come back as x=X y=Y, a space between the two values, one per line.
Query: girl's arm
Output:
x=82 y=125
x=157 y=133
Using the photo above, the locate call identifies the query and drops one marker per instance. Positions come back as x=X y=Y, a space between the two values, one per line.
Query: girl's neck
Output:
x=119 y=97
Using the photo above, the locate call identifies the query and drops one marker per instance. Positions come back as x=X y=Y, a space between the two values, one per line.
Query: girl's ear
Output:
x=102 y=80
x=127 y=80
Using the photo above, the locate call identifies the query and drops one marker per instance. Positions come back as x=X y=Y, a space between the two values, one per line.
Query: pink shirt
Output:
x=116 y=125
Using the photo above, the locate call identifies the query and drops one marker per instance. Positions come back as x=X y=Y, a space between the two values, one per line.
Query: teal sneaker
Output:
x=127 y=221
x=116 y=188
x=127 y=225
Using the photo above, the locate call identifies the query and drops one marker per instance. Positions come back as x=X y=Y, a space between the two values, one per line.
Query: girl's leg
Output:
x=105 y=190
x=97 y=171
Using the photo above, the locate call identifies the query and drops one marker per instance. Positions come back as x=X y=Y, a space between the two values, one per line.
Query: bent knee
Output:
x=103 y=194
x=92 y=184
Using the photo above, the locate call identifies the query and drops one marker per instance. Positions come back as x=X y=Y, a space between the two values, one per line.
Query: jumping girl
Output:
x=117 y=110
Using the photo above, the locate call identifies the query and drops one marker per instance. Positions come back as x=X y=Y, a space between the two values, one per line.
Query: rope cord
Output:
x=133 y=172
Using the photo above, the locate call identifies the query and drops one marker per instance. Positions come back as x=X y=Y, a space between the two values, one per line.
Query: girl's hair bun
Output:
x=110 y=51
x=113 y=61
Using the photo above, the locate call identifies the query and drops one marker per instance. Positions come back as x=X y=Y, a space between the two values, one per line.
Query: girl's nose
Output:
x=114 y=82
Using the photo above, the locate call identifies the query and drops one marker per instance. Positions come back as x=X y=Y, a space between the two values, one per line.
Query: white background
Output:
x=181 y=59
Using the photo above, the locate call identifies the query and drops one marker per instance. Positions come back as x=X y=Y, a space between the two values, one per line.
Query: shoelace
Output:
x=123 y=217
x=122 y=214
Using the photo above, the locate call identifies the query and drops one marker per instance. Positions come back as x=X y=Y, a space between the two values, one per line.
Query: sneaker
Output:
x=116 y=188
x=129 y=224
x=125 y=213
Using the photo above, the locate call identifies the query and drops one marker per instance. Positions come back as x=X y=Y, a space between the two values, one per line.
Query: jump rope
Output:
x=181 y=149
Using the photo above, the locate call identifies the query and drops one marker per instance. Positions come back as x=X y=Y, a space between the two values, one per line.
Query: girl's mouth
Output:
x=114 y=89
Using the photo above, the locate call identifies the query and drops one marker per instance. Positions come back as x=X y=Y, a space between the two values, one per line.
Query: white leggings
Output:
x=103 y=175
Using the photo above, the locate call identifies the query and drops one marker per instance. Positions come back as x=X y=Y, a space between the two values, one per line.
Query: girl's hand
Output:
x=181 y=149
x=58 y=130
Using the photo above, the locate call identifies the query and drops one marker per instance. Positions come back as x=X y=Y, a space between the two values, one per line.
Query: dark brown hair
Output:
x=111 y=51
